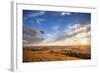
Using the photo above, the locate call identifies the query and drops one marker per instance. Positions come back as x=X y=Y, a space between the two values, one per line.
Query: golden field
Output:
x=56 y=53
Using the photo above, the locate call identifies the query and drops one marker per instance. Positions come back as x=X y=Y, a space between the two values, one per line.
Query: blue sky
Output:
x=51 y=26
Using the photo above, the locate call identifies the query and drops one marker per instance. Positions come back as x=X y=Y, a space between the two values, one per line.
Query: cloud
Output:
x=31 y=35
x=31 y=38
x=75 y=26
x=34 y=14
x=75 y=32
x=25 y=41
x=39 y=20
x=82 y=29
x=78 y=34
x=31 y=31
x=37 y=14
x=65 y=13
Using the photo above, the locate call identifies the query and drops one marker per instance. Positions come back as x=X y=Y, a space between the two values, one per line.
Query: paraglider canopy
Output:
x=42 y=32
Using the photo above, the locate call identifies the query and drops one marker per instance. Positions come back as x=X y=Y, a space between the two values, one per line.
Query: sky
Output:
x=50 y=28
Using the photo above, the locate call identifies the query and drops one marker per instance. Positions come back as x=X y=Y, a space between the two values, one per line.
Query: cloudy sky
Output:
x=56 y=28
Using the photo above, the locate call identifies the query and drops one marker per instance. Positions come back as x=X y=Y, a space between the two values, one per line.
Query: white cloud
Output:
x=77 y=28
x=37 y=14
x=39 y=20
x=34 y=14
x=71 y=27
x=65 y=13
x=75 y=36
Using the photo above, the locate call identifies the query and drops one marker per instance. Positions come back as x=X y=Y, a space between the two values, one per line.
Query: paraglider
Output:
x=42 y=32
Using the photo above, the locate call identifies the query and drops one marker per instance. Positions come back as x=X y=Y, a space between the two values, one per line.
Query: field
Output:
x=56 y=53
